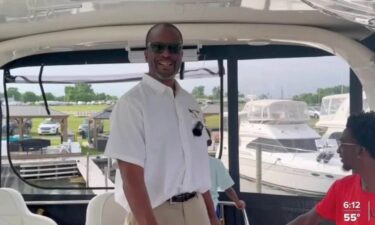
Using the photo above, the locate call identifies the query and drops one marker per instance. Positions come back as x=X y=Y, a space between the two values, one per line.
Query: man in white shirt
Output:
x=158 y=139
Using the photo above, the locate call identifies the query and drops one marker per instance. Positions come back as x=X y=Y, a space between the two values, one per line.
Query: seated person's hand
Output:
x=240 y=204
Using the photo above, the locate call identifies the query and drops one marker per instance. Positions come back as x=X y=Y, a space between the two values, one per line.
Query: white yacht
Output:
x=334 y=112
x=293 y=156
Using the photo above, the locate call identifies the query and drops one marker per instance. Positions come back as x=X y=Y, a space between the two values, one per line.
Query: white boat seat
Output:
x=13 y=210
x=103 y=210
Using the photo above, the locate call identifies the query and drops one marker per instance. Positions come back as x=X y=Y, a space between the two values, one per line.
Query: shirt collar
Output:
x=157 y=85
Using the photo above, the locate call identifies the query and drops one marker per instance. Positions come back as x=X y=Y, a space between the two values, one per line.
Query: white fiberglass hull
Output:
x=298 y=173
x=294 y=172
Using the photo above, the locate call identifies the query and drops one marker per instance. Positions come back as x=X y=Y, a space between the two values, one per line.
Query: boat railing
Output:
x=228 y=203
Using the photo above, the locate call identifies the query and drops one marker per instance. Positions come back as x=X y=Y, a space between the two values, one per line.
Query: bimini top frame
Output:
x=360 y=59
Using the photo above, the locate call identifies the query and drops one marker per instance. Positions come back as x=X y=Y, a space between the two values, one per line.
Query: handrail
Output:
x=228 y=203
x=58 y=202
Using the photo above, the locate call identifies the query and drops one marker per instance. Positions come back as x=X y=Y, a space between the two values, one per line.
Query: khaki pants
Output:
x=191 y=212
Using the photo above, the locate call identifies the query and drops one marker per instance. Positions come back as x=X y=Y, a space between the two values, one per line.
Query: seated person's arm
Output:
x=232 y=195
x=136 y=193
x=309 y=218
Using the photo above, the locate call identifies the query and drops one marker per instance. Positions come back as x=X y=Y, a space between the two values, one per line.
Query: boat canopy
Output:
x=276 y=111
x=331 y=103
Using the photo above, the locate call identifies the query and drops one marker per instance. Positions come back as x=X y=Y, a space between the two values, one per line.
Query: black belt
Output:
x=182 y=197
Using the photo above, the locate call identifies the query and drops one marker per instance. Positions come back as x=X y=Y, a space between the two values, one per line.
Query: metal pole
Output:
x=355 y=90
x=106 y=169
x=259 y=168
x=233 y=122
x=87 y=170
x=228 y=203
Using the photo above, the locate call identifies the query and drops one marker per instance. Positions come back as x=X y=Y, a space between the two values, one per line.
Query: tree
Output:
x=80 y=92
x=198 y=92
x=50 y=96
x=101 y=96
x=111 y=97
x=216 y=92
x=264 y=96
x=316 y=98
x=14 y=93
x=29 y=96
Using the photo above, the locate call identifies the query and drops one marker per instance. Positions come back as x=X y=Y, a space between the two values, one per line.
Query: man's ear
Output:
x=362 y=152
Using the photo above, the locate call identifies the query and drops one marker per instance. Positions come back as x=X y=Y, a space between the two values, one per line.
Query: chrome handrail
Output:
x=228 y=203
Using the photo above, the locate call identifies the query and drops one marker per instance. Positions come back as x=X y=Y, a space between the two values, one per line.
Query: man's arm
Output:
x=210 y=208
x=136 y=193
x=232 y=195
x=309 y=218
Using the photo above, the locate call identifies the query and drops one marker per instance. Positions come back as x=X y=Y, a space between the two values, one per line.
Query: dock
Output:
x=93 y=175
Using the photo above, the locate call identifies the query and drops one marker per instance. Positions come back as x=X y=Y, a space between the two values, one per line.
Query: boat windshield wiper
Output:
x=42 y=89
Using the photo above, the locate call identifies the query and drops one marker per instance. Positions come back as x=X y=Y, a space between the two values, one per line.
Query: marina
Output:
x=65 y=63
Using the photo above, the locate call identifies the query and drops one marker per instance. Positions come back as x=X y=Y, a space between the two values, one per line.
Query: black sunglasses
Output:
x=159 y=48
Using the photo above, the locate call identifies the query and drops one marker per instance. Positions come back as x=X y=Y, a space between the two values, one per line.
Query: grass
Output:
x=91 y=151
x=212 y=122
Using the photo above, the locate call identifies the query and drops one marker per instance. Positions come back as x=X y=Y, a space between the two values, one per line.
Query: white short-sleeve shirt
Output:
x=152 y=128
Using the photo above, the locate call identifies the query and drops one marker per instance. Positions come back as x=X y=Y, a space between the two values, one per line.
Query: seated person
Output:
x=350 y=200
x=221 y=180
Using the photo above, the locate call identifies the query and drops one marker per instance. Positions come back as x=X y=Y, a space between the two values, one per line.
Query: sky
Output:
x=274 y=77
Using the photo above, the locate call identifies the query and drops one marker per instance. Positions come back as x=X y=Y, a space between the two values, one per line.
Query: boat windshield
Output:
x=331 y=104
x=276 y=111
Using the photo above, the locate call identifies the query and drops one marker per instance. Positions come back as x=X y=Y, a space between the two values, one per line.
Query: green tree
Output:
x=111 y=97
x=264 y=96
x=216 y=92
x=198 y=92
x=101 y=96
x=14 y=93
x=80 y=92
x=316 y=98
x=50 y=96
x=29 y=96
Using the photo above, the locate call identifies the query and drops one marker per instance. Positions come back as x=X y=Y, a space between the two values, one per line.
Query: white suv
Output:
x=49 y=126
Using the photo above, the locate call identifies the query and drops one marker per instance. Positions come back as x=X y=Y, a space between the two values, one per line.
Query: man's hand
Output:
x=240 y=204
x=210 y=208
x=309 y=218
x=136 y=193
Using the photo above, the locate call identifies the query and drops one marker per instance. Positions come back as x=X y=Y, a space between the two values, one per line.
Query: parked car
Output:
x=49 y=126
x=314 y=112
x=84 y=127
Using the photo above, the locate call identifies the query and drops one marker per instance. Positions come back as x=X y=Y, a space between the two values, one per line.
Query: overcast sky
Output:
x=267 y=76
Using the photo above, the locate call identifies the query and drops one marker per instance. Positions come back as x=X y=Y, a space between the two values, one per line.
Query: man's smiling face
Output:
x=163 y=53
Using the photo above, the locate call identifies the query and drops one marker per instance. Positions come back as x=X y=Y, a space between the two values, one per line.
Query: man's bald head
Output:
x=159 y=26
